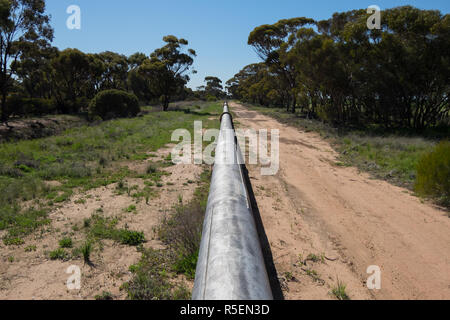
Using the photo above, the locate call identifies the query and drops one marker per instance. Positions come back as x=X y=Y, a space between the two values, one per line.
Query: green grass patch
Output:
x=85 y=157
x=100 y=227
x=340 y=291
x=59 y=254
x=66 y=243
x=152 y=279
x=433 y=179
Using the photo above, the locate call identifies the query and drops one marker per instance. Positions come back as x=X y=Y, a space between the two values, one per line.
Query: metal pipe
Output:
x=230 y=264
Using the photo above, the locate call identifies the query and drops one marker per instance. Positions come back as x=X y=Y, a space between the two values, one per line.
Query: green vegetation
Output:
x=433 y=174
x=30 y=249
x=86 y=250
x=340 y=72
x=111 y=104
x=339 y=291
x=104 y=296
x=72 y=160
x=59 y=254
x=152 y=279
x=100 y=227
x=66 y=243
x=181 y=232
x=131 y=208
x=19 y=223
x=317 y=75
x=392 y=155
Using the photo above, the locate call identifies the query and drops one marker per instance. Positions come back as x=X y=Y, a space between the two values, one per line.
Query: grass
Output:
x=86 y=250
x=104 y=296
x=152 y=279
x=386 y=154
x=66 y=243
x=30 y=248
x=59 y=254
x=99 y=228
x=340 y=291
x=131 y=209
x=82 y=158
x=181 y=233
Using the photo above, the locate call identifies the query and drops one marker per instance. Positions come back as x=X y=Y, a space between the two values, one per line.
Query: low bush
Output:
x=110 y=104
x=21 y=106
x=433 y=174
x=66 y=243
x=152 y=281
x=131 y=238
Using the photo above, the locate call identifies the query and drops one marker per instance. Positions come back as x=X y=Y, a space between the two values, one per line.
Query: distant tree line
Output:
x=37 y=78
x=339 y=71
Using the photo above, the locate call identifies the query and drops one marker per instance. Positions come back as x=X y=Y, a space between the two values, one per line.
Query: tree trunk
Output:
x=4 y=113
x=165 y=101
x=294 y=103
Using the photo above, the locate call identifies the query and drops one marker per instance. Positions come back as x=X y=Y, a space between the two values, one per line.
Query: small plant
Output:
x=314 y=275
x=104 y=296
x=131 y=238
x=58 y=254
x=87 y=222
x=13 y=241
x=151 y=169
x=131 y=208
x=80 y=201
x=30 y=248
x=11 y=259
x=289 y=276
x=159 y=185
x=86 y=250
x=315 y=258
x=187 y=265
x=339 y=291
x=66 y=243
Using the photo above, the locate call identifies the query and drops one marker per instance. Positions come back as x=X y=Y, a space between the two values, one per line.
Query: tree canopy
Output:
x=340 y=71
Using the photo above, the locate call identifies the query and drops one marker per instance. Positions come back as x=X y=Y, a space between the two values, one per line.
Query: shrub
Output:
x=131 y=238
x=111 y=104
x=66 y=243
x=433 y=174
x=151 y=279
x=59 y=254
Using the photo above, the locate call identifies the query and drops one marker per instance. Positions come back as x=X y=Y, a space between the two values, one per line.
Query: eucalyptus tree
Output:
x=273 y=43
x=168 y=68
x=22 y=23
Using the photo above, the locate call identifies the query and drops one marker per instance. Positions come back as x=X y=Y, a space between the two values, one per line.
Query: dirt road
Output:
x=316 y=208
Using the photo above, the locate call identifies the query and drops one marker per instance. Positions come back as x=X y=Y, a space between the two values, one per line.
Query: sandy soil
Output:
x=32 y=275
x=313 y=206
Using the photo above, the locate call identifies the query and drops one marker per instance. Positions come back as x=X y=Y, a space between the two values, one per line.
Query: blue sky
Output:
x=217 y=30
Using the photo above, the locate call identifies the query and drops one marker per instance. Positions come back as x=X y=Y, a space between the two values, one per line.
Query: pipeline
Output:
x=230 y=264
